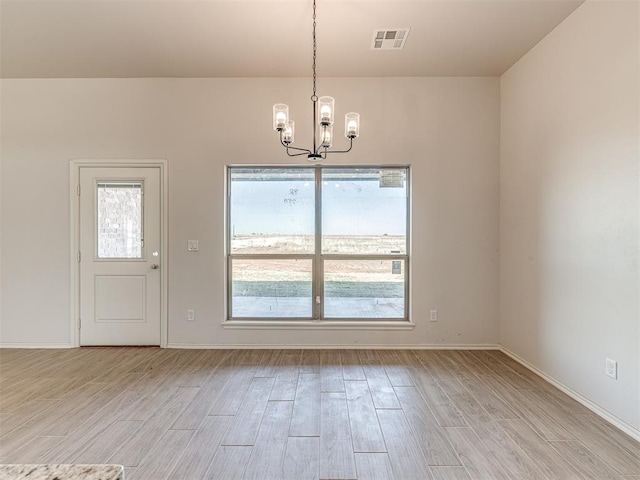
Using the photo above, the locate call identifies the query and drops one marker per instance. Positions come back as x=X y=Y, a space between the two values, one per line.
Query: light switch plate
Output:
x=192 y=245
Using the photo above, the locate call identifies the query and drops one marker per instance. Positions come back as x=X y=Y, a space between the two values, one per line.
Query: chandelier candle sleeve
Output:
x=325 y=110
x=288 y=132
x=327 y=134
x=280 y=116
x=352 y=125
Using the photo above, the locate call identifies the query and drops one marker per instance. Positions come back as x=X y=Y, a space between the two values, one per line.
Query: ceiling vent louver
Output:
x=389 y=39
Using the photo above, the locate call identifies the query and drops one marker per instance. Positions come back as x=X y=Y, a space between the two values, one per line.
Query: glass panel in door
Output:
x=119 y=215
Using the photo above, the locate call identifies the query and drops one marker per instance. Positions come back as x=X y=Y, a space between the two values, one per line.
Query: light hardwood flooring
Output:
x=294 y=414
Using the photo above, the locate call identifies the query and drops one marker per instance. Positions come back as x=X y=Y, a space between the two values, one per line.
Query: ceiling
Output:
x=267 y=38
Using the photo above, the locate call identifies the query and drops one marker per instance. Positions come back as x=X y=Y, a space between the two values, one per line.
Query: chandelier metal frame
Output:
x=322 y=117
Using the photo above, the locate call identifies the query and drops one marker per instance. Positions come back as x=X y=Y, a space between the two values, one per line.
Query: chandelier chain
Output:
x=314 y=97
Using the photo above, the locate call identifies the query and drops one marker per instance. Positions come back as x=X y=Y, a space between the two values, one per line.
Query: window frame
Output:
x=318 y=258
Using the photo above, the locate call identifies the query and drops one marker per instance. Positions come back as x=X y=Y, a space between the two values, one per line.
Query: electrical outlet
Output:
x=191 y=315
x=433 y=315
x=612 y=368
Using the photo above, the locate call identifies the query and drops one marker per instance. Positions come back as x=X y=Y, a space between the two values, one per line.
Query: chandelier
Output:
x=323 y=113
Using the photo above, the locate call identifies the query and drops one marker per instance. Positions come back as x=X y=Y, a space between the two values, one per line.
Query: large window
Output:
x=323 y=243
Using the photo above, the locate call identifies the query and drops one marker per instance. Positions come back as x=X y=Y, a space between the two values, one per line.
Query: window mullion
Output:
x=318 y=281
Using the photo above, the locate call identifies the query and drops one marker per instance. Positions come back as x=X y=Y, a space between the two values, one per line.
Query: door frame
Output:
x=74 y=206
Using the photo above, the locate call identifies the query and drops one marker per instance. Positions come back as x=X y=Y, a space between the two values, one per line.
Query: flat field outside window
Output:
x=271 y=288
x=364 y=289
x=363 y=213
x=272 y=211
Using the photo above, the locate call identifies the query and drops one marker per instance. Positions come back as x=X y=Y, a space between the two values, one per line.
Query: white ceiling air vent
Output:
x=389 y=39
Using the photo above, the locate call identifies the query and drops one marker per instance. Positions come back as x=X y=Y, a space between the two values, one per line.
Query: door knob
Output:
x=154 y=266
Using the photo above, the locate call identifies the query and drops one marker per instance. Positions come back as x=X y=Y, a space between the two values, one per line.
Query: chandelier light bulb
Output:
x=325 y=114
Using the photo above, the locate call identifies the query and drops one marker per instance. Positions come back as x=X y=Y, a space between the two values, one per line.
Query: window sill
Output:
x=319 y=324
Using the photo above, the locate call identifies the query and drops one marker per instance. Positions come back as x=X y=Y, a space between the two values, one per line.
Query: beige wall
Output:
x=569 y=200
x=447 y=129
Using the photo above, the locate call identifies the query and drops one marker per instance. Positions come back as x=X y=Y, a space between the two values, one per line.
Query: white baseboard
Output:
x=208 y=346
x=35 y=345
x=334 y=347
x=612 y=419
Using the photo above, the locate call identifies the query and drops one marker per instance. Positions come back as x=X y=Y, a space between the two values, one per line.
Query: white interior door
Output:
x=120 y=282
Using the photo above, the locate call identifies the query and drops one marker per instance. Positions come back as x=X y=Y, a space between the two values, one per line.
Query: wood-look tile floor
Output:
x=293 y=414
